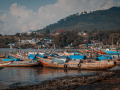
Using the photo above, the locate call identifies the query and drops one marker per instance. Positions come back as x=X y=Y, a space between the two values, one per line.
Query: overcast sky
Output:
x=24 y=15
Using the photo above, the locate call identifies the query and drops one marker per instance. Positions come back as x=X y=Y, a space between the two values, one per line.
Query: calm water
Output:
x=21 y=76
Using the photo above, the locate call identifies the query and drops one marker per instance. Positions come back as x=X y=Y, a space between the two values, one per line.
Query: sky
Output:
x=17 y=16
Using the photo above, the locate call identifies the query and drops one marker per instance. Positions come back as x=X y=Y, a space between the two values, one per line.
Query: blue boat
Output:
x=110 y=52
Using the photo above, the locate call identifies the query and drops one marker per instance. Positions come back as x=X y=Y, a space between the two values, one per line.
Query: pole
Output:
x=112 y=43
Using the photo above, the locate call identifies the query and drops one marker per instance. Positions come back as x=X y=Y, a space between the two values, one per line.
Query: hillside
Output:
x=100 y=19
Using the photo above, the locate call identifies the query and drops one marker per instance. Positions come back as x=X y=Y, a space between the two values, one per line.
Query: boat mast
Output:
x=112 y=43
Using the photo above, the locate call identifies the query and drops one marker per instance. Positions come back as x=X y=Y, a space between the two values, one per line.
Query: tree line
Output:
x=68 y=38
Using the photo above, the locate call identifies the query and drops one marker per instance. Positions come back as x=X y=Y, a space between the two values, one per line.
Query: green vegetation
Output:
x=67 y=38
x=100 y=19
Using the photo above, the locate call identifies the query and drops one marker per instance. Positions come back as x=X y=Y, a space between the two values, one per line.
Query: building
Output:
x=12 y=44
x=60 y=31
x=82 y=33
x=48 y=41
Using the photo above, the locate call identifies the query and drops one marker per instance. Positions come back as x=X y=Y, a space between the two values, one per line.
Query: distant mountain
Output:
x=101 y=19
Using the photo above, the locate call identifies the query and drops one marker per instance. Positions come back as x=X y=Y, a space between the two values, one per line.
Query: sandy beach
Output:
x=107 y=80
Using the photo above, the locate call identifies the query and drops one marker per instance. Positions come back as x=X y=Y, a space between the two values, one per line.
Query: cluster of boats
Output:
x=63 y=60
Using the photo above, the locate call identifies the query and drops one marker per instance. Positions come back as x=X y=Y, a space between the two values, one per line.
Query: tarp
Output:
x=102 y=57
x=43 y=56
x=31 y=56
x=76 y=56
x=10 y=59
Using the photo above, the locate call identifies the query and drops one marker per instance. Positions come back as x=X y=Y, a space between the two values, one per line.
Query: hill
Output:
x=100 y=19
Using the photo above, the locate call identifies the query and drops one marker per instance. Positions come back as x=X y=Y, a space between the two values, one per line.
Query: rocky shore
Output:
x=107 y=80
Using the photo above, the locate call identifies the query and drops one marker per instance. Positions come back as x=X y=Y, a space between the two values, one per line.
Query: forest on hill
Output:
x=100 y=19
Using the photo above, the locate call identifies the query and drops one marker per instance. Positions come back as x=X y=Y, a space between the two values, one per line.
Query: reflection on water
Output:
x=1 y=68
x=20 y=76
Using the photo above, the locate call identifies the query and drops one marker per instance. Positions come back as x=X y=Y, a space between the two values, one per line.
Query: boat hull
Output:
x=23 y=63
x=4 y=64
x=96 y=65
x=93 y=65
x=2 y=56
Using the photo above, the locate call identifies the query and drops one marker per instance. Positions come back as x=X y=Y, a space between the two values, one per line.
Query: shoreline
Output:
x=100 y=80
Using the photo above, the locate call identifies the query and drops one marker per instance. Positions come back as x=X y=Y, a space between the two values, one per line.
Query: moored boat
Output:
x=4 y=64
x=2 y=56
x=111 y=52
x=102 y=52
x=22 y=63
x=77 y=64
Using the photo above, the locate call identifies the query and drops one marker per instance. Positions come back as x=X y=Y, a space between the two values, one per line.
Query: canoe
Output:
x=2 y=56
x=24 y=63
x=4 y=63
x=20 y=63
x=92 y=65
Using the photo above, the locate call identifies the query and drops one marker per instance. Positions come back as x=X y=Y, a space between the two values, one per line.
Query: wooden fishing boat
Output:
x=4 y=63
x=68 y=54
x=24 y=63
x=101 y=52
x=90 y=51
x=20 y=63
x=111 y=52
x=82 y=51
x=2 y=56
x=91 y=65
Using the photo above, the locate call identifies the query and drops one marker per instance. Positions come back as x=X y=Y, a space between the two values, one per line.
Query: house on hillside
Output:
x=60 y=31
x=82 y=33
x=12 y=44
x=46 y=41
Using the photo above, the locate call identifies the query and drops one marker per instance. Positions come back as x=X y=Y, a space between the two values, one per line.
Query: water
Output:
x=21 y=76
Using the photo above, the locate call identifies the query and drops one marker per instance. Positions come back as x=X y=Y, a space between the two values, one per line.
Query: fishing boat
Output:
x=78 y=64
x=111 y=52
x=102 y=52
x=67 y=53
x=2 y=56
x=22 y=63
x=4 y=64
x=83 y=51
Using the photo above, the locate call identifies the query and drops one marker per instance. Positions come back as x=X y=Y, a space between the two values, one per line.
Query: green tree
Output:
x=47 y=31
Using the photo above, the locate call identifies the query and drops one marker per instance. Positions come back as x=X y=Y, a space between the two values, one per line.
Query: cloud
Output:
x=1 y=22
x=21 y=19
x=3 y=11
